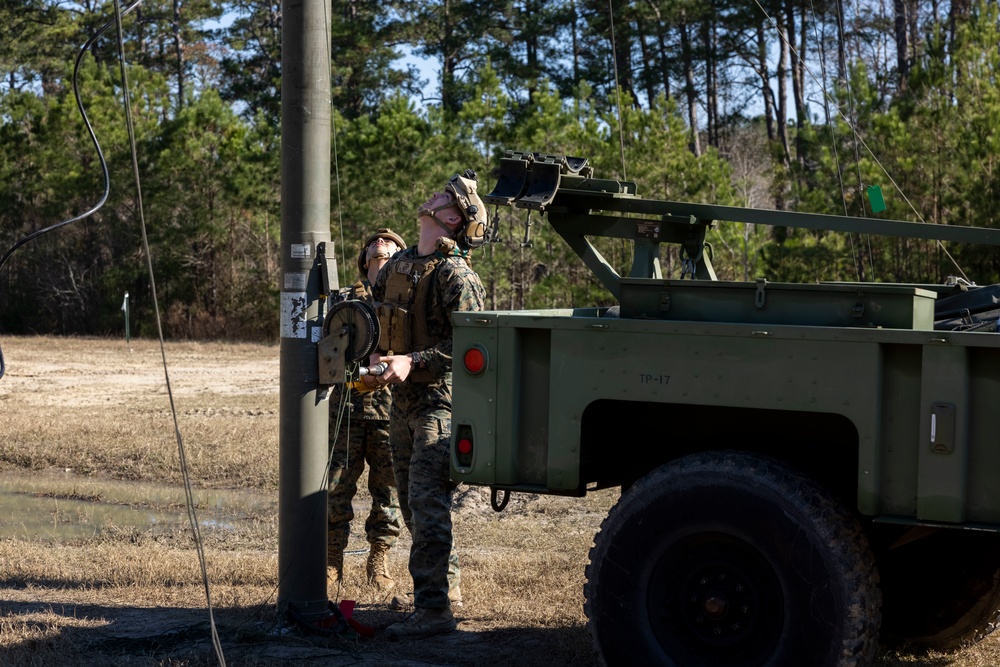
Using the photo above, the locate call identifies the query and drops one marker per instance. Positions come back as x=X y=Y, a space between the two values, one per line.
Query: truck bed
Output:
x=584 y=400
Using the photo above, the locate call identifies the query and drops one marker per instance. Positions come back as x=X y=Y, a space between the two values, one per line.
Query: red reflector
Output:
x=464 y=446
x=475 y=360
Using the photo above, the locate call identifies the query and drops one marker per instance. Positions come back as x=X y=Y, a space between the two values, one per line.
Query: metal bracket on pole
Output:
x=324 y=271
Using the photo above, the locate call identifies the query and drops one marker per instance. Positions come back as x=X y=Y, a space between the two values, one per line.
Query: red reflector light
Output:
x=475 y=360
x=463 y=447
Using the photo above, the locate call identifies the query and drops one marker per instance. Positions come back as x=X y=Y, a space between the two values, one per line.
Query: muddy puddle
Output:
x=62 y=506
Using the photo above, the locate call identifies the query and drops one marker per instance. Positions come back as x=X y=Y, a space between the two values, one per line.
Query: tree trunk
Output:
x=647 y=80
x=178 y=53
x=913 y=19
x=623 y=58
x=689 y=91
x=798 y=72
x=958 y=13
x=530 y=38
x=661 y=45
x=902 y=55
x=765 y=82
x=841 y=43
x=782 y=75
x=576 y=43
x=449 y=98
x=711 y=84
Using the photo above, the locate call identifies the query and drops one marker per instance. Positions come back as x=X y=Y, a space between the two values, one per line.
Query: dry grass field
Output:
x=98 y=565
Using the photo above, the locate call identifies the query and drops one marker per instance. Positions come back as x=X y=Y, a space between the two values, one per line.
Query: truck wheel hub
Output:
x=716 y=593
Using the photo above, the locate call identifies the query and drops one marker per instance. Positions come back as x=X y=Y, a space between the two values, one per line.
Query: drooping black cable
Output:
x=97 y=146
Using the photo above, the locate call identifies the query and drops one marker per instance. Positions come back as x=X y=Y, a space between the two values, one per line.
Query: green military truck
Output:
x=802 y=466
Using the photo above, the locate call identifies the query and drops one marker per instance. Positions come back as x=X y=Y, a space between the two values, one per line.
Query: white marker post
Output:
x=128 y=336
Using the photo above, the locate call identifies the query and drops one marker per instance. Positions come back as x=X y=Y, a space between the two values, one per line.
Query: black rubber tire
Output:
x=942 y=592
x=726 y=559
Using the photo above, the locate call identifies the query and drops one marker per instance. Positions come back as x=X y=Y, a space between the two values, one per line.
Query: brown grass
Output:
x=79 y=415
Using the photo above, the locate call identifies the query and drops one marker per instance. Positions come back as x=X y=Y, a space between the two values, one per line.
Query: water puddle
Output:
x=62 y=506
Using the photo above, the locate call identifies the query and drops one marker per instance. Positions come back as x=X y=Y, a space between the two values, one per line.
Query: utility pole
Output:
x=305 y=225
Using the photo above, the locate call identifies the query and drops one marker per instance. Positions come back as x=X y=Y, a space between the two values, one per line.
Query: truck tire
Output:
x=942 y=592
x=727 y=559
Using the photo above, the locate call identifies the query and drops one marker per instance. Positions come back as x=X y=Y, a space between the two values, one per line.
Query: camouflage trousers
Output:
x=420 y=439
x=361 y=441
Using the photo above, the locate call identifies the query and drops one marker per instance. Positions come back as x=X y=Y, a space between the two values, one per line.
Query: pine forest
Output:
x=773 y=104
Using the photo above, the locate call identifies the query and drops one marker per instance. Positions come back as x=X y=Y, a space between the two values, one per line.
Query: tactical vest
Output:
x=403 y=313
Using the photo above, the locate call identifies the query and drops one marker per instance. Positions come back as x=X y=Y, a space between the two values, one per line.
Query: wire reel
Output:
x=358 y=320
x=350 y=335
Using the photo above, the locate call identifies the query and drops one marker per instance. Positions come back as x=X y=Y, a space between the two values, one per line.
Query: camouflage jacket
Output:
x=455 y=287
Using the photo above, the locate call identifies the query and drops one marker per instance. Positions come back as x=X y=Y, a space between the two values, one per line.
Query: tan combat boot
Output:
x=378 y=567
x=423 y=623
x=404 y=601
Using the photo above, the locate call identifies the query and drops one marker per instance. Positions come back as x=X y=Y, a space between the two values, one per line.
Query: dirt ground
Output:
x=57 y=607
x=84 y=420
x=130 y=634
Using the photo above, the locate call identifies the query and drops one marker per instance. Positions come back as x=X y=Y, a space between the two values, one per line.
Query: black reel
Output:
x=358 y=320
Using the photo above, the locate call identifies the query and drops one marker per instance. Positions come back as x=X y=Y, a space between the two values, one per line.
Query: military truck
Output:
x=802 y=466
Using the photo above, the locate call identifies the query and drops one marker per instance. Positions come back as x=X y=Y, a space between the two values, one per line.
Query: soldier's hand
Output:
x=398 y=370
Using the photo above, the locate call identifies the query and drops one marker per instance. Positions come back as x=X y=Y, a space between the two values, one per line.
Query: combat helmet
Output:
x=383 y=233
x=464 y=188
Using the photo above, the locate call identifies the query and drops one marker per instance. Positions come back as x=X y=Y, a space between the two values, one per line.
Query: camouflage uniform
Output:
x=420 y=430
x=363 y=435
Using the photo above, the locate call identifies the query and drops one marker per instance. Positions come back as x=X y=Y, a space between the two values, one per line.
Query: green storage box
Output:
x=825 y=305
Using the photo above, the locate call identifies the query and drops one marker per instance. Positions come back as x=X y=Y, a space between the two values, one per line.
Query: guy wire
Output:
x=860 y=140
x=188 y=493
x=618 y=96
x=340 y=208
x=342 y=264
x=833 y=137
x=857 y=154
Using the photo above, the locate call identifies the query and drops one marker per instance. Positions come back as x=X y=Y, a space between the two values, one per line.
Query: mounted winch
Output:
x=350 y=336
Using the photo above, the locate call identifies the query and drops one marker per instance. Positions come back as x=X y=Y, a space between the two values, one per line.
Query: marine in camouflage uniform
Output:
x=359 y=434
x=417 y=293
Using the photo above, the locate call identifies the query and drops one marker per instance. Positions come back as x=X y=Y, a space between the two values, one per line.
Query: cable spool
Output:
x=358 y=320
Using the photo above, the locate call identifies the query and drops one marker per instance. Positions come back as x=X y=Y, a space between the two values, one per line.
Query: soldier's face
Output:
x=380 y=250
x=441 y=206
x=438 y=199
x=381 y=245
